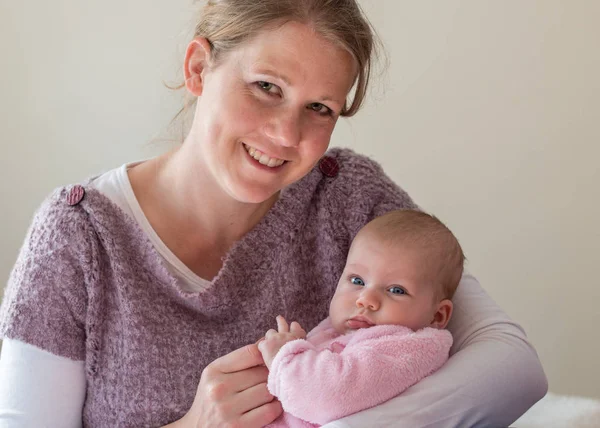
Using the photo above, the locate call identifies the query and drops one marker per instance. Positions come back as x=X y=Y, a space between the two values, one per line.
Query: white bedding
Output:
x=561 y=411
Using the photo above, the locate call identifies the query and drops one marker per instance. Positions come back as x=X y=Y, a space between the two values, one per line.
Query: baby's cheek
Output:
x=337 y=313
x=334 y=309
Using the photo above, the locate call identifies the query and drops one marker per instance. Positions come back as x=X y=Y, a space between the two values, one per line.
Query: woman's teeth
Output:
x=262 y=158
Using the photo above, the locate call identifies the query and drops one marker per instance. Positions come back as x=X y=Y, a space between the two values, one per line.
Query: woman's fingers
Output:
x=253 y=397
x=240 y=359
x=232 y=386
x=282 y=325
x=262 y=415
x=248 y=378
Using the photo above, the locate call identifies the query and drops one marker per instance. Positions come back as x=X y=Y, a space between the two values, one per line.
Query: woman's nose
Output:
x=284 y=128
x=368 y=299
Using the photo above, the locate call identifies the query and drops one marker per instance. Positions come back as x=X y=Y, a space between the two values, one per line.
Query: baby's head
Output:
x=403 y=269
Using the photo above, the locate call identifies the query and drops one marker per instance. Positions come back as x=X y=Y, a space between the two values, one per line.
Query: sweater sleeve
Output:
x=320 y=385
x=45 y=300
x=39 y=389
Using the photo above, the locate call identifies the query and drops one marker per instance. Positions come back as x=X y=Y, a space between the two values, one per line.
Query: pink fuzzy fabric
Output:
x=329 y=376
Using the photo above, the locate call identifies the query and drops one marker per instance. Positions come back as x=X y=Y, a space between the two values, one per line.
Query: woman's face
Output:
x=266 y=112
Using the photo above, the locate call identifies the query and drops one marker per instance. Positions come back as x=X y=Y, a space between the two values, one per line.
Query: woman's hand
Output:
x=274 y=340
x=233 y=393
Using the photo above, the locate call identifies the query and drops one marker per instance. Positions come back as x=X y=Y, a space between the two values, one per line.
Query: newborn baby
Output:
x=385 y=329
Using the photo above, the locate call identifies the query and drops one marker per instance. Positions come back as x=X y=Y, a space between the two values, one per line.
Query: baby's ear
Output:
x=442 y=315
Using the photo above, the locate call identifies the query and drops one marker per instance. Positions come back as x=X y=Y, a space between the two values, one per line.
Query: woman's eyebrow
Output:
x=270 y=71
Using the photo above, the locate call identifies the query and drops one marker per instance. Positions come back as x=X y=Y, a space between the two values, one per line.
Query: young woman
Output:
x=136 y=294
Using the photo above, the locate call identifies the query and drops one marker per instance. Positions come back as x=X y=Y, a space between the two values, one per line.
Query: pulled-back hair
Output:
x=226 y=24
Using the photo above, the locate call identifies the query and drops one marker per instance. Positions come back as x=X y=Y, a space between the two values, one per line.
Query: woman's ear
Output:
x=442 y=316
x=197 y=59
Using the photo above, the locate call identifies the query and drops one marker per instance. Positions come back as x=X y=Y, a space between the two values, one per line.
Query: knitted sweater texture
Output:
x=89 y=285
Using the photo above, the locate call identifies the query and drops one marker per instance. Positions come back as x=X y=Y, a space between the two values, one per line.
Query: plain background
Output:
x=488 y=116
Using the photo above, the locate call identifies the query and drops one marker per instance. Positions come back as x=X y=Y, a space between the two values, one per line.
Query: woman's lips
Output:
x=359 y=322
x=263 y=158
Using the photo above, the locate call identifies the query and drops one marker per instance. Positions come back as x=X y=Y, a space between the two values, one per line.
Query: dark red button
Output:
x=75 y=195
x=329 y=166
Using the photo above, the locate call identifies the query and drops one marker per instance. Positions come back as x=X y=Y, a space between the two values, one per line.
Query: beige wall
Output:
x=488 y=116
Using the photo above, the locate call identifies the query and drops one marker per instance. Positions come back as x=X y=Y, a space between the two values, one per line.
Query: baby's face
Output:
x=382 y=284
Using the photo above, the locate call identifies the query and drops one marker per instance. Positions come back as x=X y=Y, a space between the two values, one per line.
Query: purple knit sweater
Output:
x=89 y=285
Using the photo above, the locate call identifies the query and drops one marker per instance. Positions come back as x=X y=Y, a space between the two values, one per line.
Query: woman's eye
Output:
x=266 y=86
x=397 y=290
x=356 y=280
x=322 y=109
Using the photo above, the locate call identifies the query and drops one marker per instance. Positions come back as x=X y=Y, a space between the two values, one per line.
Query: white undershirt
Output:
x=116 y=185
x=40 y=389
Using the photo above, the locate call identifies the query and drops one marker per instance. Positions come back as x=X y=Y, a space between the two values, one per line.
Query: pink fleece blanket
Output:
x=328 y=376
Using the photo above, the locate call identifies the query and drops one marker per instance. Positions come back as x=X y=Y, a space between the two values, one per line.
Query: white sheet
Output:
x=560 y=411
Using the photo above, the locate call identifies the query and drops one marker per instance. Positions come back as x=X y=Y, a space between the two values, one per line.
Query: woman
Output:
x=134 y=294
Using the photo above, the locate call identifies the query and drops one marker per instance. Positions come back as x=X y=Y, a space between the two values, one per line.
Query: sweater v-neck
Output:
x=258 y=247
x=273 y=232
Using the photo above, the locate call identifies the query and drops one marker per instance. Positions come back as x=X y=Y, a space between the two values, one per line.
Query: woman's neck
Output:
x=188 y=210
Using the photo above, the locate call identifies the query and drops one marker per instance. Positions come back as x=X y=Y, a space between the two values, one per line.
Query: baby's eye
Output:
x=397 y=290
x=356 y=280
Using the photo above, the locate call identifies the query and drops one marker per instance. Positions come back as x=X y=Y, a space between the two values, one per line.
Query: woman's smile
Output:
x=276 y=118
x=263 y=158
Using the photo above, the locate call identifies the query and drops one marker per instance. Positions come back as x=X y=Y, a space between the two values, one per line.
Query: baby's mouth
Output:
x=359 y=322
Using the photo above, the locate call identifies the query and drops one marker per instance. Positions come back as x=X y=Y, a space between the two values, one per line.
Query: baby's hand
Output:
x=274 y=340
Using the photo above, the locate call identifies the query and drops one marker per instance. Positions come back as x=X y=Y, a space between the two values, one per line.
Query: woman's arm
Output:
x=494 y=375
x=45 y=306
x=38 y=388
x=492 y=378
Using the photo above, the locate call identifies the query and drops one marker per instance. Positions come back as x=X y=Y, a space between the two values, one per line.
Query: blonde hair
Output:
x=227 y=24
x=424 y=232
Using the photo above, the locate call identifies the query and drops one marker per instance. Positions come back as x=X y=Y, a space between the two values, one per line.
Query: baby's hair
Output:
x=424 y=232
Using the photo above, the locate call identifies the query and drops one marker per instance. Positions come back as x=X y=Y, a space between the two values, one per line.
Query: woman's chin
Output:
x=254 y=194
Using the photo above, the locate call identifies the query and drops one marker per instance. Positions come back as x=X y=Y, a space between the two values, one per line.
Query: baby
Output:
x=385 y=330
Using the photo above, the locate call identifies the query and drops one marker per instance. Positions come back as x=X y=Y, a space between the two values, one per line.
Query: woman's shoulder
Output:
x=58 y=222
x=361 y=178
x=346 y=190
x=70 y=216
x=351 y=161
